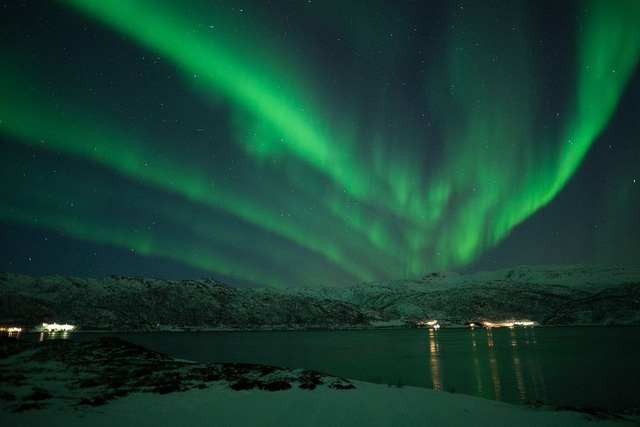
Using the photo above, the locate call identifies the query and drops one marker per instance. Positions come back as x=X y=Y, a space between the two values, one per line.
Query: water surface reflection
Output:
x=517 y=366
x=434 y=349
x=499 y=364
x=589 y=366
x=493 y=365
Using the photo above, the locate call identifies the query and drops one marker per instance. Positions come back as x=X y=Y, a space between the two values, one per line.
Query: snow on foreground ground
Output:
x=113 y=382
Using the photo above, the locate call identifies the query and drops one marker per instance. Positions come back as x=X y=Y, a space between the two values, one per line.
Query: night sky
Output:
x=289 y=143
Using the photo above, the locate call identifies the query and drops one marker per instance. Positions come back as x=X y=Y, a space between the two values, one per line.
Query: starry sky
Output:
x=289 y=143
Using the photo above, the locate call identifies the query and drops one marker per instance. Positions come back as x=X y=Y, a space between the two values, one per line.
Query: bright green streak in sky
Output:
x=287 y=124
x=608 y=52
x=209 y=59
x=502 y=168
x=388 y=213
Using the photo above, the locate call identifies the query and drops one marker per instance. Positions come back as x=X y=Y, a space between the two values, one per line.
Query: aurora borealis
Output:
x=317 y=143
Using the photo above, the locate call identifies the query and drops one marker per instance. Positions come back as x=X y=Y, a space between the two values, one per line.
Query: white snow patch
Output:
x=369 y=404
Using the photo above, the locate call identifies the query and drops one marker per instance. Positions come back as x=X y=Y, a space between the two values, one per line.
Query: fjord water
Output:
x=560 y=366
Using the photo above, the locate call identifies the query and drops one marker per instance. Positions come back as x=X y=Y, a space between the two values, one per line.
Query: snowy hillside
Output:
x=133 y=303
x=579 y=294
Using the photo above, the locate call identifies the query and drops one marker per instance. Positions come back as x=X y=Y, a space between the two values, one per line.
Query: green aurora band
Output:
x=360 y=203
x=134 y=158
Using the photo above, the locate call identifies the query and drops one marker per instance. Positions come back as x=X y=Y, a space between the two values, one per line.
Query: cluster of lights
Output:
x=11 y=330
x=509 y=324
x=431 y=323
x=54 y=327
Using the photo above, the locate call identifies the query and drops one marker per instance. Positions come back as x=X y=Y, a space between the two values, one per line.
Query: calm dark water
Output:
x=595 y=366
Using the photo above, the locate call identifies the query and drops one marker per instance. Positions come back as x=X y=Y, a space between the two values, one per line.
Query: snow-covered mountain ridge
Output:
x=576 y=294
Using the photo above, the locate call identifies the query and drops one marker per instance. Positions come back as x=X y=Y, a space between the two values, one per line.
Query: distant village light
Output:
x=54 y=327
x=433 y=324
x=525 y=323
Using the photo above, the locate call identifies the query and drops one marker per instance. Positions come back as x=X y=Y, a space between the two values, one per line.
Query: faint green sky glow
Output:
x=79 y=135
x=368 y=202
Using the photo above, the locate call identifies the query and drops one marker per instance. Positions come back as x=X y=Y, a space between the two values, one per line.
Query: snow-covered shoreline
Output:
x=109 y=381
x=368 y=404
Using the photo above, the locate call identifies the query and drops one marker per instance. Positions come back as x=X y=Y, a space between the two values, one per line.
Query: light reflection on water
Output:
x=517 y=366
x=591 y=366
x=493 y=366
x=58 y=335
x=503 y=364
x=476 y=362
x=434 y=348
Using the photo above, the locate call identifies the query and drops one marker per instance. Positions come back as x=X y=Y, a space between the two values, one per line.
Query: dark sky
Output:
x=292 y=143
